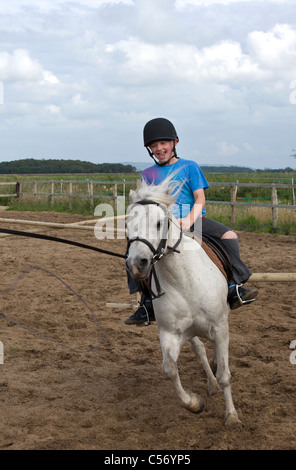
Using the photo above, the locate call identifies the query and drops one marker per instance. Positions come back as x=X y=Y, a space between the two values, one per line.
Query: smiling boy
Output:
x=160 y=140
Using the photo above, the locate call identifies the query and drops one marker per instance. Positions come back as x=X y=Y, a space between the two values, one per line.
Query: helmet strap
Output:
x=174 y=154
x=151 y=155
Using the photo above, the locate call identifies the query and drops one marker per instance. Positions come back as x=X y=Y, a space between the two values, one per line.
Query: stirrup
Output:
x=147 y=323
x=242 y=302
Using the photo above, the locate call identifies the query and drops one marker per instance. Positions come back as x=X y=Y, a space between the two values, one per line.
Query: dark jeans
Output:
x=216 y=230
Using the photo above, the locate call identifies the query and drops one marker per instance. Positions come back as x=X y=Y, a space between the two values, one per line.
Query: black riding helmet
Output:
x=159 y=129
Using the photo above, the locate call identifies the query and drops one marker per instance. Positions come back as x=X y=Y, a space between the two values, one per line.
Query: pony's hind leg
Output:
x=199 y=349
x=170 y=350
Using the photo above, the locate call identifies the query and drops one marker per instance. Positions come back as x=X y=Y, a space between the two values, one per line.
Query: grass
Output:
x=247 y=218
x=255 y=219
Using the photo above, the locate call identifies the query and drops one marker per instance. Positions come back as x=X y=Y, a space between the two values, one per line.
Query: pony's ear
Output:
x=169 y=190
x=132 y=196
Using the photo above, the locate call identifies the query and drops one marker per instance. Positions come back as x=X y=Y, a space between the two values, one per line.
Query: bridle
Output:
x=162 y=248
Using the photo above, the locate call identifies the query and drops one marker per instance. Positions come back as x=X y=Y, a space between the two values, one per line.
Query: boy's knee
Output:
x=229 y=235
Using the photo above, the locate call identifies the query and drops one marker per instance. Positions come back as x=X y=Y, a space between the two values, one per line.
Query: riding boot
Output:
x=144 y=314
x=238 y=295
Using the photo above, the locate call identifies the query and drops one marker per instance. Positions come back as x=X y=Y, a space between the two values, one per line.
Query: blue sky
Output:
x=79 y=79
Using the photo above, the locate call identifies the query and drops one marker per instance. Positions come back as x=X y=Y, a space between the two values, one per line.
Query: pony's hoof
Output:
x=232 y=420
x=196 y=404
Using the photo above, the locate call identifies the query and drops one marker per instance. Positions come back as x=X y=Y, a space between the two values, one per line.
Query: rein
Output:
x=60 y=240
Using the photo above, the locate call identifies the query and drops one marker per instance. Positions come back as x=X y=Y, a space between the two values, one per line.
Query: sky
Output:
x=79 y=79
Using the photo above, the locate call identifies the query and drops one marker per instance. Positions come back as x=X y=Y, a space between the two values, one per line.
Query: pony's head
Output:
x=148 y=225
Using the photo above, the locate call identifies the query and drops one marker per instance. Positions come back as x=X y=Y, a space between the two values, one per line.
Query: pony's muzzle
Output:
x=139 y=267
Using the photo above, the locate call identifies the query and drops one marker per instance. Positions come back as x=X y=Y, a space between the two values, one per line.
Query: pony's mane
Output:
x=162 y=193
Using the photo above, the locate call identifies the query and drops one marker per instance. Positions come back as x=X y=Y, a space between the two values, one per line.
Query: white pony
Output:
x=190 y=291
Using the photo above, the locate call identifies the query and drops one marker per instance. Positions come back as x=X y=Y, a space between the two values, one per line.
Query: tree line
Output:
x=242 y=169
x=55 y=166
x=33 y=166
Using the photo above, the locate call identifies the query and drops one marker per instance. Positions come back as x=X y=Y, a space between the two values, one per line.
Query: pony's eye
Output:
x=158 y=225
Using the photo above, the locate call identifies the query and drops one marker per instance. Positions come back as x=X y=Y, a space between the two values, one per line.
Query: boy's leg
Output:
x=228 y=240
x=145 y=313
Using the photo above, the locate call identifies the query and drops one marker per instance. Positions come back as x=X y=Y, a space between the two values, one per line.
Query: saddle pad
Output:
x=213 y=257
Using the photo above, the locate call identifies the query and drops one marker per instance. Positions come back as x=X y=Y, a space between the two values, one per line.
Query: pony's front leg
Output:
x=223 y=375
x=170 y=351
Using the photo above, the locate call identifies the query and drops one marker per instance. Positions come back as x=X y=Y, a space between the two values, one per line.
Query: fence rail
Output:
x=274 y=206
x=66 y=190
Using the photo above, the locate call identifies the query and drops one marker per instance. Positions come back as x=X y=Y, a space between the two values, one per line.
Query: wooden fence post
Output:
x=274 y=200
x=91 y=193
x=52 y=193
x=18 y=189
x=233 y=199
x=114 y=194
x=70 y=195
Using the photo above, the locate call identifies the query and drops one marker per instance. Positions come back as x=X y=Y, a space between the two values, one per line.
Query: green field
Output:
x=247 y=218
x=254 y=218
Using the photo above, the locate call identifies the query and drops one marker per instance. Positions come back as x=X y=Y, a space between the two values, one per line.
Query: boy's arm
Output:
x=199 y=204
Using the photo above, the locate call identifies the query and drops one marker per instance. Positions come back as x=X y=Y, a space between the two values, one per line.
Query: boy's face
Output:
x=163 y=150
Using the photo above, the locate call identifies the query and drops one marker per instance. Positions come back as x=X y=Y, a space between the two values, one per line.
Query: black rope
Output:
x=60 y=240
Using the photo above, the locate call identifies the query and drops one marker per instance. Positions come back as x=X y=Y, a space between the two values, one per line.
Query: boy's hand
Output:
x=185 y=223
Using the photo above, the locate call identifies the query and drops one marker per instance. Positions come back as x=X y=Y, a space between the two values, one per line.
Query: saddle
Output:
x=216 y=254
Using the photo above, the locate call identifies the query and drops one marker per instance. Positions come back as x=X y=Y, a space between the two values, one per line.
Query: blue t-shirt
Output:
x=189 y=173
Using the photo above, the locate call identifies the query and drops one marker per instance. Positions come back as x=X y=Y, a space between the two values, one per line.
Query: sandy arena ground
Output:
x=115 y=396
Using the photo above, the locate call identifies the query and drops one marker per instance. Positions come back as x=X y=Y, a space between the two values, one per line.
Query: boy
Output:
x=161 y=139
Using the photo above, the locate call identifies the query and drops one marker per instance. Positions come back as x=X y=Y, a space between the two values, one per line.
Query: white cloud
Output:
x=226 y=150
x=53 y=109
x=226 y=61
x=45 y=6
x=274 y=49
x=19 y=66
x=144 y=62
x=208 y=3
